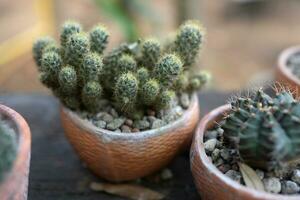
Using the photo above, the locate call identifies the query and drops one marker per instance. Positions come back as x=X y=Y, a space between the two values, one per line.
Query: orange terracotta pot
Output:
x=284 y=75
x=15 y=184
x=127 y=156
x=211 y=183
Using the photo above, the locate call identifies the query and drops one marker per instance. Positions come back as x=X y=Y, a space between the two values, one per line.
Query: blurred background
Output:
x=244 y=37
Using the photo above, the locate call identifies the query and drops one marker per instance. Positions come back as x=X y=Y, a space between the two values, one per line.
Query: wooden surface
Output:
x=56 y=172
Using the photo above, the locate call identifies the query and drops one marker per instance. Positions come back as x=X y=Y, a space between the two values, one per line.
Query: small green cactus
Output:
x=8 y=149
x=265 y=130
x=134 y=77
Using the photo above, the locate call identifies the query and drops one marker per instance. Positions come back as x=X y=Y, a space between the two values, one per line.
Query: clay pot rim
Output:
x=111 y=135
x=282 y=63
x=24 y=140
x=199 y=147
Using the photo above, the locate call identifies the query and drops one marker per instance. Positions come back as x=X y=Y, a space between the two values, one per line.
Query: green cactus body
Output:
x=168 y=69
x=99 y=38
x=151 y=51
x=126 y=90
x=134 y=77
x=265 y=130
x=8 y=149
x=188 y=41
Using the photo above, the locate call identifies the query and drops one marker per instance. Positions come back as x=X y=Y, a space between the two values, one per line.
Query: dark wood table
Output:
x=57 y=173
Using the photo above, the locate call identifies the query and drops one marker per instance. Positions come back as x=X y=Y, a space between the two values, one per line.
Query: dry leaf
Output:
x=250 y=177
x=130 y=191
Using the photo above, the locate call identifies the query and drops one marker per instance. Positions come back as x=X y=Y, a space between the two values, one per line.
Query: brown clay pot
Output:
x=210 y=182
x=284 y=75
x=15 y=184
x=127 y=156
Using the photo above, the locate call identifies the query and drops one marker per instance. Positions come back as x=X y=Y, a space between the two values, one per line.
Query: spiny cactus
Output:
x=265 y=130
x=133 y=77
x=8 y=149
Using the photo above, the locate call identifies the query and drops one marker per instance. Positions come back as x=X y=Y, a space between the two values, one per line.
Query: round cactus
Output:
x=69 y=28
x=143 y=74
x=188 y=41
x=67 y=79
x=149 y=91
x=76 y=47
x=99 y=38
x=51 y=64
x=38 y=48
x=126 y=90
x=197 y=81
x=151 y=51
x=126 y=63
x=168 y=69
x=91 y=67
x=264 y=129
x=165 y=99
x=8 y=149
x=91 y=94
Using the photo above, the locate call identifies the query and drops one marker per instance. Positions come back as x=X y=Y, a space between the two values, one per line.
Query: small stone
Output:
x=224 y=168
x=128 y=122
x=272 y=185
x=166 y=174
x=185 y=100
x=210 y=145
x=211 y=134
x=151 y=119
x=151 y=112
x=215 y=154
x=134 y=130
x=220 y=132
x=99 y=115
x=289 y=187
x=157 y=124
x=234 y=175
x=178 y=111
x=296 y=176
x=141 y=124
x=260 y=174
x=125 y=129
x=235 y=167
x=219 y=162
x=115 y=124
x=100 y=124
x=107 y=118
x=225 y=154
x=118 y=130
x=114 y=113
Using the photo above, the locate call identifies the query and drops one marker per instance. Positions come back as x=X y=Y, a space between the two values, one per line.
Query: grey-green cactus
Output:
x=8 y=149
x=133 y=77
x=265 y=130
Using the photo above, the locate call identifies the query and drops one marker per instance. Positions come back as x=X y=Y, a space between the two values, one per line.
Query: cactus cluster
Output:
x=8 y=149
x=133 y=76
x=265 y=130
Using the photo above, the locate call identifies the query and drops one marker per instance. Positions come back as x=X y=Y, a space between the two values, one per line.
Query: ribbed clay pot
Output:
x=284 y=75
x=211 y=183
x=127 y=156
x=15 y=184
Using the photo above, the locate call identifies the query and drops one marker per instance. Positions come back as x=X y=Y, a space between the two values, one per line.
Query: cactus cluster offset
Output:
x=265 y=130
x=8 y=149
x=133 y=76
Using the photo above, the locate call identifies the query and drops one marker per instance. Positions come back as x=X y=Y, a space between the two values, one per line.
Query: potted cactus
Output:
x=129 y=111
x=288 y=69
x=252 y=151
x=14 y=155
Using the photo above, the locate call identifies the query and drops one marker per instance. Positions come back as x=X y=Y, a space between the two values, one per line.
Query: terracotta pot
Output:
x=284 y=75
x=212 y=183
x=127 y=156
x=15 y=184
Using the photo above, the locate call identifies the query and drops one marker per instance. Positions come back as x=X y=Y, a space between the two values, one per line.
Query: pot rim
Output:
x=111 y=135
x=199 y=147
x=282 y=62
x=24 y=141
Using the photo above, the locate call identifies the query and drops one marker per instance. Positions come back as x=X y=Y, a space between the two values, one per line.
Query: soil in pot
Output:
x=109 y=118
x=8 y=147
x=293 y=64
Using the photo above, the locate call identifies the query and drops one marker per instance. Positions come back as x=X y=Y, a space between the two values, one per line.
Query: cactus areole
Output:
x=265 y=130
x=134 y=77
